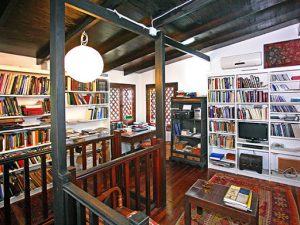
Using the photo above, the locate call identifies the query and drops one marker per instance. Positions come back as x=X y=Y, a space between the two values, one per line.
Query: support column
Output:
x=160 y=106
x=58 y=126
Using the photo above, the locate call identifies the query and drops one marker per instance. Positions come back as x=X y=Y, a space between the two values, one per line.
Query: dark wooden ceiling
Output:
x=25 y=27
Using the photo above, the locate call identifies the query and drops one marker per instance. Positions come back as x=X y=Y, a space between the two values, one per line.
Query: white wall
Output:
x=191 y=75
x=252 y=45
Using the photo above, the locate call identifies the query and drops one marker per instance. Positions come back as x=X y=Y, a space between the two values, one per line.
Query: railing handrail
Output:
x=103 y=138
x=98 y=208
x=24 y=156
x=115 y=162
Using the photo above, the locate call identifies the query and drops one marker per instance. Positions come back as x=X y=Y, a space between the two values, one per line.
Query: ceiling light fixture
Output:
x=84 y=63
x=188 y=41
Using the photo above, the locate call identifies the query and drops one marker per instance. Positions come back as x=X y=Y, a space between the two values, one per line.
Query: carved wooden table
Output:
x=213 y=201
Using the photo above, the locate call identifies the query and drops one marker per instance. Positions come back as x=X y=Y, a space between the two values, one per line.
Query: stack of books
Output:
x=222 y=141
x=239 y=198
x=255 y=113
x=226 y=127
x=252 y=96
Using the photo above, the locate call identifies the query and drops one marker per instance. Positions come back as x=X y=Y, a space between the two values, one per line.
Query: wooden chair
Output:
x=120 y=208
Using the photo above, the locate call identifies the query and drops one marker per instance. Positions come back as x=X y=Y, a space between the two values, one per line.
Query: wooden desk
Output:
x=137 y=137
x=213 y=202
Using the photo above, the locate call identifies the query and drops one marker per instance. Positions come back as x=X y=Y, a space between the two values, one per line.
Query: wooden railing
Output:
x=82 y=206
x=124 y=171
x=43 y=190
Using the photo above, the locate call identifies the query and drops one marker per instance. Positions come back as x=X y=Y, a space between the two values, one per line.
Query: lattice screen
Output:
x=127 y=107
x=169 y=93
x=115 y=104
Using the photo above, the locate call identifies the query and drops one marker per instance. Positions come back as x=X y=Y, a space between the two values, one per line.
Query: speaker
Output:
x=251 y=162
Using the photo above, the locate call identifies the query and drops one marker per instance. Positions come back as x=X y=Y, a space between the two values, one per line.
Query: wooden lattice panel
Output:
x=115 y=104
x=127 y=106
x=169 y=93
x=152 y=105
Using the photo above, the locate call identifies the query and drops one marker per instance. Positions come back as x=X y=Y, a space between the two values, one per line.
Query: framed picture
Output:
x=286 y=53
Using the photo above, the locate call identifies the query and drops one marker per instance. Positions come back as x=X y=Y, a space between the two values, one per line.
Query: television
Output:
x=253 y=132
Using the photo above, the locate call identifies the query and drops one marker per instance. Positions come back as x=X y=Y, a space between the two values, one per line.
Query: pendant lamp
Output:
x=84 y=63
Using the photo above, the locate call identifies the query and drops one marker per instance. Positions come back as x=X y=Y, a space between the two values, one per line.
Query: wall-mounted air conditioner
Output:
x=238 y=61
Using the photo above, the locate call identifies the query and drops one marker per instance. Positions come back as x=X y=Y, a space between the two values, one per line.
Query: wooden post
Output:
x=160 y=106
x=58 y=125
x=117 y=150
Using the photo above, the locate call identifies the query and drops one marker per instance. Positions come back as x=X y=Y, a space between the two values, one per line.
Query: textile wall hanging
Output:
x=286 y=53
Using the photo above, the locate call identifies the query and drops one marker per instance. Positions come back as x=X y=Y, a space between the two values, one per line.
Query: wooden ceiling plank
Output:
x=181 y=12
x=276 y=22
x=10 y=6
x=43 y=53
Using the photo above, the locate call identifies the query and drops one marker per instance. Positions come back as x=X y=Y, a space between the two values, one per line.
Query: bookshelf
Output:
x=271 y=97
x=24 y=130
x=188 y=135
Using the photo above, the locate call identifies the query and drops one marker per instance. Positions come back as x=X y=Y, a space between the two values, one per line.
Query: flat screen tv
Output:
x=254 y=132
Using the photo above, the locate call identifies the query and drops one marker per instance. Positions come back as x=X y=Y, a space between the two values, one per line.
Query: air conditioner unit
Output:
x=238 y=61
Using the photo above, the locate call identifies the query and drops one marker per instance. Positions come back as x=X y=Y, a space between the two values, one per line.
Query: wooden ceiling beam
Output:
x=43 y=53
x=181 y=12
x=219 y=23
x=222 y=40
x=5 y=10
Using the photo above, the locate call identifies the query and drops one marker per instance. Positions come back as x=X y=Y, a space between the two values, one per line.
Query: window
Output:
x=122 y=102
x=170 y=91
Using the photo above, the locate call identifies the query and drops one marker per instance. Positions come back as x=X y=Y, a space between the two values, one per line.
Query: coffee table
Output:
x=213 y=201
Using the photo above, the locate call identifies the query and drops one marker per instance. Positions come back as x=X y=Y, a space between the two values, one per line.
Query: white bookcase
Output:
x=75 y=118
x=289 y=90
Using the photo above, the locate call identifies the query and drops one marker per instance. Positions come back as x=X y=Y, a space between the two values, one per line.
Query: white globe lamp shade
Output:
x=83 y=64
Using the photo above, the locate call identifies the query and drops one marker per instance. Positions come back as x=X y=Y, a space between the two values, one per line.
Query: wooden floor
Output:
x=180 y=178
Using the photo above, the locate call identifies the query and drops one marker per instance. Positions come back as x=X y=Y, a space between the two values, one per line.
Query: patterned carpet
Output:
x=277 y=203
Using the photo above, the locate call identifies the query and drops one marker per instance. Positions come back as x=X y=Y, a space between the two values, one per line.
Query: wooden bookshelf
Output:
x=192 y=123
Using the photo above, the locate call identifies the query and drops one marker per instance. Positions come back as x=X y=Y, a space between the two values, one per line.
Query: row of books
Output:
x=221 y=96
x=221 y=83
x=279 y=87
x=20 y=163
x=227 y=127
x=277 y=98
x=97 y=85
x=79 y=99
x=285 y=130
x=249 y=82
x=11 y=141
x=280 y=77
x=283 y=108
x=252 y=96
x=17 y=182
x=10 y=107
x=24 y=84
x=221 y=112
x=97 y=113
x=255 y=113
x=239 y=198
x=222 y=141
